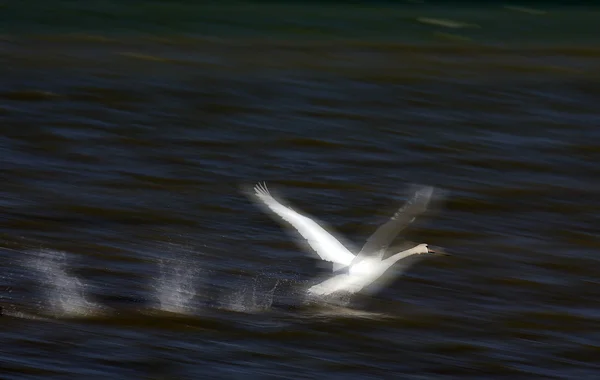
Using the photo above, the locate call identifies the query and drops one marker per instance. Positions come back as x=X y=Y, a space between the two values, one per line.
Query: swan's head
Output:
x=426 y=248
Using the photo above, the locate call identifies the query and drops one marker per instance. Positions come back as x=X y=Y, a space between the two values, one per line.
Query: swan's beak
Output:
x=438 y=251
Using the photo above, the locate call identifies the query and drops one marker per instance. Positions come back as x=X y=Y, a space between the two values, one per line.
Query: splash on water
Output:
x=176 y=286
x=251 y=298
x=263 y=299
x=64 y=293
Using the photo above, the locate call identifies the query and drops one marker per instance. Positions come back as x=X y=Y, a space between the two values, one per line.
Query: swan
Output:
x=352 y=273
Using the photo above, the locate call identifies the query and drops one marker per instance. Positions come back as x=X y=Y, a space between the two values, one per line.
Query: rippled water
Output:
x=129 y=251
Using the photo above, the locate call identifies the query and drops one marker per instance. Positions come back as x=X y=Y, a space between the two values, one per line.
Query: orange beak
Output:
x=438 y=251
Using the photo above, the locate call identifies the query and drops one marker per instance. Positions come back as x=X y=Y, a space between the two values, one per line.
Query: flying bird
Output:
x=352 y=273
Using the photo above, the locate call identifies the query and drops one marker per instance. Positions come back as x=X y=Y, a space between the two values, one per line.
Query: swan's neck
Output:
x=409 y=252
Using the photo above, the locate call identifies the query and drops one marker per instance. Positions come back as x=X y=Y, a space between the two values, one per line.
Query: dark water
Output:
x=129 y=251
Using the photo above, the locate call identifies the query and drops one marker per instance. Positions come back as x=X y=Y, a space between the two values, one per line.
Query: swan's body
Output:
x=363 y=273
x=357 y=271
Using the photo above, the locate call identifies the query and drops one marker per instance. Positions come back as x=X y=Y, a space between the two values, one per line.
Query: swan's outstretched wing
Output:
x=384 y=235
x=322 y=242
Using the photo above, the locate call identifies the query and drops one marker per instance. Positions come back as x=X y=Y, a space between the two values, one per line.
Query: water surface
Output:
x=128 y=250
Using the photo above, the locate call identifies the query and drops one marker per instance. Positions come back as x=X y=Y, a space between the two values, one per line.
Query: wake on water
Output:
x=63 y=295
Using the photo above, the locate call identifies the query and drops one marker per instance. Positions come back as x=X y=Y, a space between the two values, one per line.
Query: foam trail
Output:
x=64 y=292
x=175 y=288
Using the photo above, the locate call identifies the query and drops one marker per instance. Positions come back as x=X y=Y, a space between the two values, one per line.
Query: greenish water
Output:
x=496 y=23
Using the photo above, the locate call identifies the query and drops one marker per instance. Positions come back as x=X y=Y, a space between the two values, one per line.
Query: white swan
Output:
x=353 y=272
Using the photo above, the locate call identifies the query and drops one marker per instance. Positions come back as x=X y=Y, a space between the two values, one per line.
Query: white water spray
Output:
x=64 y=293
x=251 y=299
x=176 y=286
